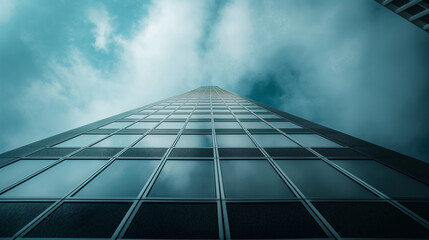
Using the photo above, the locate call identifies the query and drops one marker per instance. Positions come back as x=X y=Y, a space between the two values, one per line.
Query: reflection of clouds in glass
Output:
x=117 y=141
x=274 y=140
x=195 y=141
x=123 y=178
x=224 y=141
x=58 y=180
x=18 y=170
x=185 y=179
x=240 y=181
x=81 y=141
x=156 y=141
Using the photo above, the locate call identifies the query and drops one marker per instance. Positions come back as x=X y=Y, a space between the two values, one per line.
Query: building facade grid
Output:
x=206 y=164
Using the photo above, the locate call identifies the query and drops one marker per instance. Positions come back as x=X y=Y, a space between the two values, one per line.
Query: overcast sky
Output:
x=350 y=65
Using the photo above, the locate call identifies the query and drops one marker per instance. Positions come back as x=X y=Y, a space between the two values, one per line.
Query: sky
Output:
x=353 y=66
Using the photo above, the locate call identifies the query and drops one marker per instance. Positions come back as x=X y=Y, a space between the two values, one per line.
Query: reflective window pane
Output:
x=195 y=141
x=18 y=170
x=15 y=215
x=116 y=125
x=81 y=220
x=385 y=179
x=185 y=179
x=274 y=140
x=229 y=116
x=265 y=116
x=179 y=116
x=227 y=125
x=246 y=116
x=235 y=141
x=284 y=125
x=81 y=141
x=252 y=179
x=316 y=179
x=255 y=125
x=143 y=125
x=167 y=220
x=118 y=141
x=122 y=179
x=202 y=116
x=199 y=125
x=58 y=180
x=171 y=125
x=314 y=140
x=156 y=141
x=281 y=220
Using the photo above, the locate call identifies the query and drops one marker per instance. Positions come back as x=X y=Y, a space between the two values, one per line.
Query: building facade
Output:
x=415 y=11
x=210 y=164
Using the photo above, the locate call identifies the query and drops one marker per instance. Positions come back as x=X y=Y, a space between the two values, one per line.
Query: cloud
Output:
x=350 y=65
x=103 y=29
x=7 y=7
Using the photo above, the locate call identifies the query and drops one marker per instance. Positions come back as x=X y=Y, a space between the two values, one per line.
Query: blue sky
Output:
x=350 y=65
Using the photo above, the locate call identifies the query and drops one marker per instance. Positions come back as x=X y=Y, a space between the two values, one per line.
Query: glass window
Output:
x=179 y=116
x=147 y=111
x=156 y=116
x=135 y=117
x=58 y=180
x=284 y=220
x=175 y=221
x=185 y=179
x=385 y=179
x=252 y=179
x=81 y=220
x=116 y=125
x=16 y=171
x=143 y=125
x=264 y=116
x=370 y=220
x=204 y=116
x=15 y=215
x=234 y=141
x=274 y=140
x=199 y=125
x=255 y=125
x=153 y=141
x=122 y=179
x=240 y=110
x=284 y=125
x=195 y=141
x=314 y=140
x=223 y=116
x=118 y=141
x=81 y=141
x=316 y=179
x=227 y=125
x=246 y=116
x=171 y=125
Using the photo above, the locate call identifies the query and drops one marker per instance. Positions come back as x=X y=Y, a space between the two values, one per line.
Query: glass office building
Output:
x=210 y=164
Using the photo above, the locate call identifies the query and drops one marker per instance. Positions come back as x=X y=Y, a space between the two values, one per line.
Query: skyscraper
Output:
x=415 y=11
x=210 y=164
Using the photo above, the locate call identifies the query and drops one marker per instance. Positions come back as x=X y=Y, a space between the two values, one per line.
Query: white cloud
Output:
x=7 y=7
x=338 y=83
x=103 y=28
